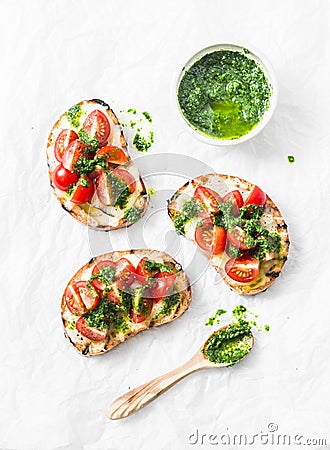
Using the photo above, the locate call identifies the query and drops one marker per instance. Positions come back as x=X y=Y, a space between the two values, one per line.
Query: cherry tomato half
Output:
x=96 y=282
x=62 y=142
x=84 y=190
x=94 y=334
x=97 y=124
x=125 y=271
x=103 y=188
x=164 y=281
x=63 y=178
x=126 y=177
x=237 y=237
x=243 y=269
x=89 y=296
x=74 y=151
x=112 y=154
x=138 y=317
x=74 y=301
x=208 y=197
x=257 y=197
x=237 y=200
x=210 y=238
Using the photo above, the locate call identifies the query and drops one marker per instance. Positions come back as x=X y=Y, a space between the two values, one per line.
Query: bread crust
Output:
x=86 y=216
x=87 y=347
x=223 y=184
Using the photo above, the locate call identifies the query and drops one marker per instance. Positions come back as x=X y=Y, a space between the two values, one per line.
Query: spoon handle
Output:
x=139 y=397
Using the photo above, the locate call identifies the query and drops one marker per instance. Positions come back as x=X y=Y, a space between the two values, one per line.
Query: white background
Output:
x=128 y=53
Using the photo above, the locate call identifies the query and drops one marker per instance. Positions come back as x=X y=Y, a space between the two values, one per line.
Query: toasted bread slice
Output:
x=160 y=314
x=271 y=219
x=95 y=214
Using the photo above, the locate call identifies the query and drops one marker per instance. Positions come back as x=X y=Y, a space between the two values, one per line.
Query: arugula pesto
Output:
x=143 y=143
x=154 y=266
x=120 y=190
x=170 y=302
x=224 y=94
x=132 y=215
x=85 y=139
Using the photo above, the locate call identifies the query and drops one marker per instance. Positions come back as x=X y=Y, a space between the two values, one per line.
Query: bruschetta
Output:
x=119 y=294
x=90 y=170
x=237 y=225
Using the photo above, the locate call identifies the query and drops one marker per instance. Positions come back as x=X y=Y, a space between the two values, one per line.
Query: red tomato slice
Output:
x=94 y=334
x=125 y=271
x=257 y=197
x=89 y=296
x=62 y=142
x=126 y=177
x=74 y=301
x=98 y=284
x=112 y=154
x=164 y=281
x=236 y=198
x=219 y=240
x=243 y=269
x=236 y=236
x=63 y=178
x=74 y=151
x=208 y=197
x=138 y=317
x=115 y=294
x=210 y=238
x=103 y=189
x=97 y=124
x=83 y=194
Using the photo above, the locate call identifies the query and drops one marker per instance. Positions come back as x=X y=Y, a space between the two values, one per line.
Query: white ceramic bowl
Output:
x=269 y=73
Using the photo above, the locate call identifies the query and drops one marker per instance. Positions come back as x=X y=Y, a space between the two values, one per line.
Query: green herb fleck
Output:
x=84 y=182
x=147 y=116
x=70 y=189
x=214 y=318
x=291 y=159
x=152 y=266
x=151 y=192
x=267 y=328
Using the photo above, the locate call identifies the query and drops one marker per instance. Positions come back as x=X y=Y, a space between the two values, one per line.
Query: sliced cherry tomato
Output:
x=62 y=142
x=237 y=237
x=138 y=317
x=103 y=189
x=112 y=154
x=89 y=296
x=140 y=268
x=115 y=293
x=63 y=178
x=164 y=281
x=219 y=240
x=208 y=197
x=74 y=151
x=126 y=177
x=257 y=197
x=94 y=334
x=82 y=193
x=243 y=269
x=125 y=271
x=74 y=301
x=236 y=198
x=96 y=282
x=97 y=124
x=210 y=238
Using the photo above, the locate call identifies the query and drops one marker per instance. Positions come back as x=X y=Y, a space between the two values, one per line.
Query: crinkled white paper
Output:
x=129 y=53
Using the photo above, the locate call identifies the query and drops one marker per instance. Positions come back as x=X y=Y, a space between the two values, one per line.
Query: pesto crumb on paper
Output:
x=140 y=126
x=239 y=315
x=291 y=159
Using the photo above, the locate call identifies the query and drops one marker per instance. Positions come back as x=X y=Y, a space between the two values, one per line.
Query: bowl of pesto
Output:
x=226 y=94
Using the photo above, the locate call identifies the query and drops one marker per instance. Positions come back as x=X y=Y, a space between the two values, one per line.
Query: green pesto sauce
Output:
x=229 y=345
x=73 y=115
x=215 y=317
x=189 y=211
x=132 y=215
x=170 y=302
x=120 y=191
x=224 y=94
x=143 y=143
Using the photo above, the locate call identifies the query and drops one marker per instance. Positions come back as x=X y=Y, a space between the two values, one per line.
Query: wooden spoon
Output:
x=141 y=396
